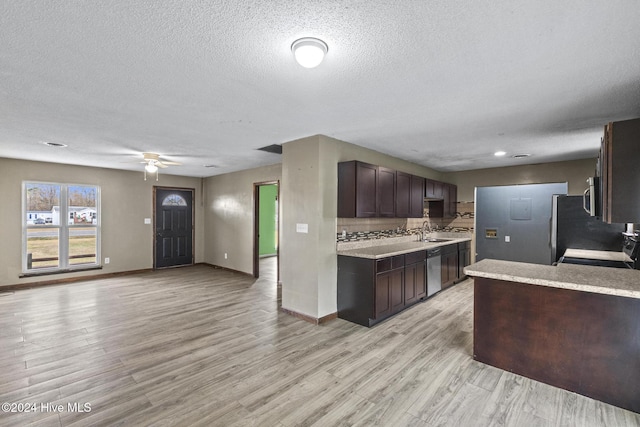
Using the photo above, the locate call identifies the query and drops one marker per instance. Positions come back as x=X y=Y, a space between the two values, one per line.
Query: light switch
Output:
x=147 y=220
x=507 y=239
x=302 y=228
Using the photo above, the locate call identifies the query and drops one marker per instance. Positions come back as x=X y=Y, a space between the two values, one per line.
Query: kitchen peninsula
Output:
x=571 y=326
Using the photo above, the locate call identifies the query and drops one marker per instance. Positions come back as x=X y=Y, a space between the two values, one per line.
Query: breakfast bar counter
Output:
x=571 y=326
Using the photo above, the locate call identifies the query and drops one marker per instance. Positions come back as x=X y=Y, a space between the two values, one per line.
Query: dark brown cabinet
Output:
x=464 y=259
x=434 y=189
x=451 y=201
x=371 y=290
x=446 y=206
x=403 y=194
x=389 y=293
x=386 y=192
x=416 y=208
x=367 y=191
x=449 y=265
x=415 y=282
x=619 y=176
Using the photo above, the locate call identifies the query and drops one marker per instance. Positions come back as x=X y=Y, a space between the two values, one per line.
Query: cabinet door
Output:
x=386 y=192
x=416 y=209
x=415 y=284
x=366 y=190
x=403 y=195
x=449 y=268
x=389 y=293
x=453 y=201
x=433 y=189
x=464 y=259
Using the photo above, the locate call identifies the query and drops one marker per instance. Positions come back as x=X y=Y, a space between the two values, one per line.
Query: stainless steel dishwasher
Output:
x=434 y=271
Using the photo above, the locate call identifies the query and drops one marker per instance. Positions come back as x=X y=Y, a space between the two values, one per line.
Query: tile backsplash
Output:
x=358 y=229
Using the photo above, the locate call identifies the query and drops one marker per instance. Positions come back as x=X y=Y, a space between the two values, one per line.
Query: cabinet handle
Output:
x=584 y=200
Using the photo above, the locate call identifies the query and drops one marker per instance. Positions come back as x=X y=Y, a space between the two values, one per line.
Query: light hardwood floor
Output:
x=202 y=346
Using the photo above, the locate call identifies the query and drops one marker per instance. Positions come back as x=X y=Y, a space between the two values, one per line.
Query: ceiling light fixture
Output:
x=150 y=167
x=309 y=52
x=521 y=156
x=499 y=153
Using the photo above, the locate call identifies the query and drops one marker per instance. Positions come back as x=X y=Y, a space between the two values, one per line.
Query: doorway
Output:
x=173 y=226
x=266 y=225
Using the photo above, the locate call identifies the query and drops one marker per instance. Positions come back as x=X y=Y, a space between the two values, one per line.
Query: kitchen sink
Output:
x=435 y=239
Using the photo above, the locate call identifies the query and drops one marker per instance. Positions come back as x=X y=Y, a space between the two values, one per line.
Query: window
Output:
x=174 y=200
x=51 y=243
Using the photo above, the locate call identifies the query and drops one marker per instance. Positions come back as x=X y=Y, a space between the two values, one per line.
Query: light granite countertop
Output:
x=380 y=249
x=601 y=280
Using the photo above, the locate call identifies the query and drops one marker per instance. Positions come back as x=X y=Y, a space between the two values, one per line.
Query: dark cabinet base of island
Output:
x=583 y=342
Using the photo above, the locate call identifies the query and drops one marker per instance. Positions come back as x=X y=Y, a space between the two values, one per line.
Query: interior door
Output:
x=173 y=227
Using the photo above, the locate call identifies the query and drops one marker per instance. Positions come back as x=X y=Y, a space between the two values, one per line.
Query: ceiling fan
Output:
x=153 y=161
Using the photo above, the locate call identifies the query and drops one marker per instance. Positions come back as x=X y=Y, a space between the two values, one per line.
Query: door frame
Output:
x=256 y=227
x=193 y=224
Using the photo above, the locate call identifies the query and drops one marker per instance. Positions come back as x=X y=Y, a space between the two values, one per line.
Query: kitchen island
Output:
x=571 y=326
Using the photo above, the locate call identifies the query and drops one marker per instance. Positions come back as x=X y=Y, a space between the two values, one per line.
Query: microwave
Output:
x=591 y=197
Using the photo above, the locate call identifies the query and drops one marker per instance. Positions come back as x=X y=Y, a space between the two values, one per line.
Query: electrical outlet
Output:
x=107 y=260
x=225 y=255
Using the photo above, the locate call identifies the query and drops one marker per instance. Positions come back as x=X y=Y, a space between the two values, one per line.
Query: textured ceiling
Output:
x=442 y=83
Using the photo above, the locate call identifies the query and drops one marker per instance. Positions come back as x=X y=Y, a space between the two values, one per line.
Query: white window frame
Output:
x=63 y=231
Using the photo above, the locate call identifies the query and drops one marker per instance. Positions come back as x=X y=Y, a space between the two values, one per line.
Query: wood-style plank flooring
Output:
x=203 y=346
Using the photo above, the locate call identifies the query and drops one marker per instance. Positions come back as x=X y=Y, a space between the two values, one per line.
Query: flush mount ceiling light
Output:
x=499 y=153
x=521 y=156
x=309 y=52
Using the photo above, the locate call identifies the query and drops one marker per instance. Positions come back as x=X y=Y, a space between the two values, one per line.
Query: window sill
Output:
x=64 y=271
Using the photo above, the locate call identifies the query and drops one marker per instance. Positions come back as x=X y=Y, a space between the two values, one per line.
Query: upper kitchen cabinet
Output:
x=365 y=190
x=434 y=189
x=443 y=206
x=409 y=195
x=417 y=197
x=620 y=179
x=386 y=192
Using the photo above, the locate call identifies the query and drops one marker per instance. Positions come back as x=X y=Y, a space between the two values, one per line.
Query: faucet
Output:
x=426 y=226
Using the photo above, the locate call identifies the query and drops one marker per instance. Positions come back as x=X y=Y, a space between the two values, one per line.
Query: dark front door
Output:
x=174 y=227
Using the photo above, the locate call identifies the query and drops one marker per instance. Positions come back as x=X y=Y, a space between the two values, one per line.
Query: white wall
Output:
x=126 y=199
x=229 y=216
x=309 y=195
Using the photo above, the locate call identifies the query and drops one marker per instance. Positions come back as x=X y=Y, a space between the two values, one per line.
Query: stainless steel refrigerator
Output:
x=514 y=222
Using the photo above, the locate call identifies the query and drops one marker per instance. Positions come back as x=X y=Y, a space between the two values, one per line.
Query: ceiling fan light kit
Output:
x=153 y=163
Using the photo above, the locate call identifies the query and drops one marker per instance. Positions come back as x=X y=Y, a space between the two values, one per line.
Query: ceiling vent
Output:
x=275 y=149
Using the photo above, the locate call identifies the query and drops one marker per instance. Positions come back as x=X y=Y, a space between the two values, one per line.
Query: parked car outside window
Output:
x=39 y=221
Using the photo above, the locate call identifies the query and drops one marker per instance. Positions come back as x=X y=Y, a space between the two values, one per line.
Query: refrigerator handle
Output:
x=584 y=200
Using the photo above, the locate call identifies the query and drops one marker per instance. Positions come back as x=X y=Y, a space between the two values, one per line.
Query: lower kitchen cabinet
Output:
x=415 y=279
x=464 y=259
x=371 y=290
x=389 y=290
x=449 y=264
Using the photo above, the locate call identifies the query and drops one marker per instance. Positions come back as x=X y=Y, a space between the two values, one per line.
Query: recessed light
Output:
x=210 y=166
x=53 y=144
x=520 y=156
x=499 y=153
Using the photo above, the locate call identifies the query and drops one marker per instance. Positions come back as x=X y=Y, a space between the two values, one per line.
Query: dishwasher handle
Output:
x=433 y=252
